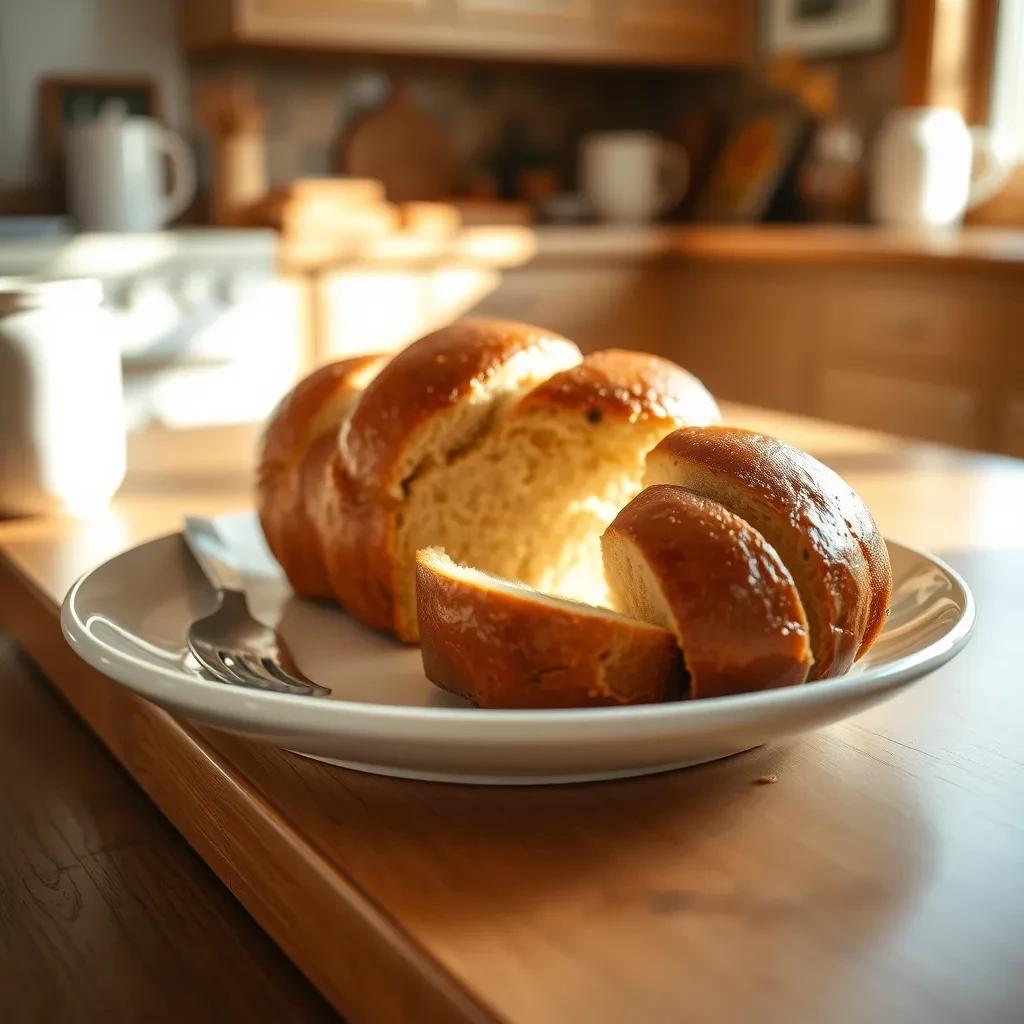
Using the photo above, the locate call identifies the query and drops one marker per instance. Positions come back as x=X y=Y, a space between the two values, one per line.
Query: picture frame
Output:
x=751 y=167
x=827 y=28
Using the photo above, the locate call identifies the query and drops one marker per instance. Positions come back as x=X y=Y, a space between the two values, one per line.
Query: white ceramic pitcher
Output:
x=115 y=171
x=924 y=173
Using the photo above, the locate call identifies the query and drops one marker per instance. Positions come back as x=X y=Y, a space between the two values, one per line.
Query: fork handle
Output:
x=210 y=551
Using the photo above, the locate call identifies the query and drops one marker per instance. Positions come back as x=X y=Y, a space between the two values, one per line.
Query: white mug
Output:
x=630 y=177
x=921 y=172
x=115 y=172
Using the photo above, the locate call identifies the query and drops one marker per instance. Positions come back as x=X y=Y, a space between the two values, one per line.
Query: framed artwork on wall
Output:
x=822 y=28
x=752 y=165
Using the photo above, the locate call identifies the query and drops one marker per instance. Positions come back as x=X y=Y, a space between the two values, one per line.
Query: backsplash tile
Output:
x=313 y=101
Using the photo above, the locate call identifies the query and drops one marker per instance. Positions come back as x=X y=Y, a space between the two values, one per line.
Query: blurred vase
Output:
x=61 y=401
x=831 y=178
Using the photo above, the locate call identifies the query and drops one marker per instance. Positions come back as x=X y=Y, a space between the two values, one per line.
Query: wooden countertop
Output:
x=985 y=250
x=879 y=879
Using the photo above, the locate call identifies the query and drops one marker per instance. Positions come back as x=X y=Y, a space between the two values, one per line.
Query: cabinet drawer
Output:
x=915 y=408
x=596 y=306
x=745 y=331
x=910 y=318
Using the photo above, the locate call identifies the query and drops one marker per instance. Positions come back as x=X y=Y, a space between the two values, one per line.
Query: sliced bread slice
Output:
x=685 y=563
x=502 y=645
x=818 y=525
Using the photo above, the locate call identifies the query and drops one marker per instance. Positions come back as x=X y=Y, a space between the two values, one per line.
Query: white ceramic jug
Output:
x=115 y=171
x=921 y=173
x=62 y=430
x=630 y=177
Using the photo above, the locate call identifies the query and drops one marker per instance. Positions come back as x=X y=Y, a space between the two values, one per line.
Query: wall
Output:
x=41 y=37
x=313 y=101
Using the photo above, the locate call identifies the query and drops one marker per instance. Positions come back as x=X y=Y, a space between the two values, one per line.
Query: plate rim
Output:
x=119 y=665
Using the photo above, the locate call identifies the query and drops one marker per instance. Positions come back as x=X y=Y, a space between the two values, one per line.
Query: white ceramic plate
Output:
x=129 y=619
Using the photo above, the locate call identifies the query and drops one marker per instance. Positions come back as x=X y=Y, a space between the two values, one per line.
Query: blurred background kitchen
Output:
x=783 y=196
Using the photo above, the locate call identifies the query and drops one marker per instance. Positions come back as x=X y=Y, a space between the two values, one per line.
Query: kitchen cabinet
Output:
x=712 y=33
x=917 y=353
x=1011 y=433
x=361 y=309
x=663 y=32
x=881 y=399
x=843 y=324
x=597 y=305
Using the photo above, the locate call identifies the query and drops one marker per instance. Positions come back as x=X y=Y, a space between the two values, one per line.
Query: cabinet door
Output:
x=929 y=409
x=340 y=24
x=337 y=11
x=744 y=331
x=1011 y=427
x=599 y=31
x=381 y=310
x=596 y=306
x=682 y=30
x=529 y=17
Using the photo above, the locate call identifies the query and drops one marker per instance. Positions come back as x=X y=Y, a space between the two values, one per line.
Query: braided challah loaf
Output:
x=498 y=441
x=499 y=446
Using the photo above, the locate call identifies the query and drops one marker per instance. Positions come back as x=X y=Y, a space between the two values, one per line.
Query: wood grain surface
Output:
x=989 y=251
x=877 y=879
x=105 y=913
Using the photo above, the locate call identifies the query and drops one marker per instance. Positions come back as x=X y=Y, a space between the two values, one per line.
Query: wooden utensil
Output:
x=235 y=123
x=404 y=148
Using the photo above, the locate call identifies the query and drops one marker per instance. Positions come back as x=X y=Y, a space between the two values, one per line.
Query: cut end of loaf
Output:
x=530 y=499
x=438 y=560
x=501 y=644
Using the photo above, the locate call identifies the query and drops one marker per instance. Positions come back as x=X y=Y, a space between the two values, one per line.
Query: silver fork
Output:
x=230 y=643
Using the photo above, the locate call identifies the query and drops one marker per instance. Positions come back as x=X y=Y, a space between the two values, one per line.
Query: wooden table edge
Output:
x=216 y=822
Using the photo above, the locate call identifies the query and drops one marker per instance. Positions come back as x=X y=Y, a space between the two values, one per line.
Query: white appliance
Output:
x=925 y=172
x=630 y=177
x=209 y=331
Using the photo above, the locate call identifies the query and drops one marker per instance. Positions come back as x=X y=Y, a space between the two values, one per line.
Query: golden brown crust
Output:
x=426 y=380
x=312 y=409
x=353 y=537
x=803 y=505
x=625 y=385
x=503 y=649
x=730 y=600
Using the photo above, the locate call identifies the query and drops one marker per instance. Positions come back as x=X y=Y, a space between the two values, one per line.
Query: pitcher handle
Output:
x=183 y=173
x=1000 y=159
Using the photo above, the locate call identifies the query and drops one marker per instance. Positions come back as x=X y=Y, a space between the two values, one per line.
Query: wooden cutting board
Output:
x=403 y=147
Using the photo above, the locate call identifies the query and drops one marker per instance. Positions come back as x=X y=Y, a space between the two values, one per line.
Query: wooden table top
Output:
x=105 y=912
x=879 y=879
